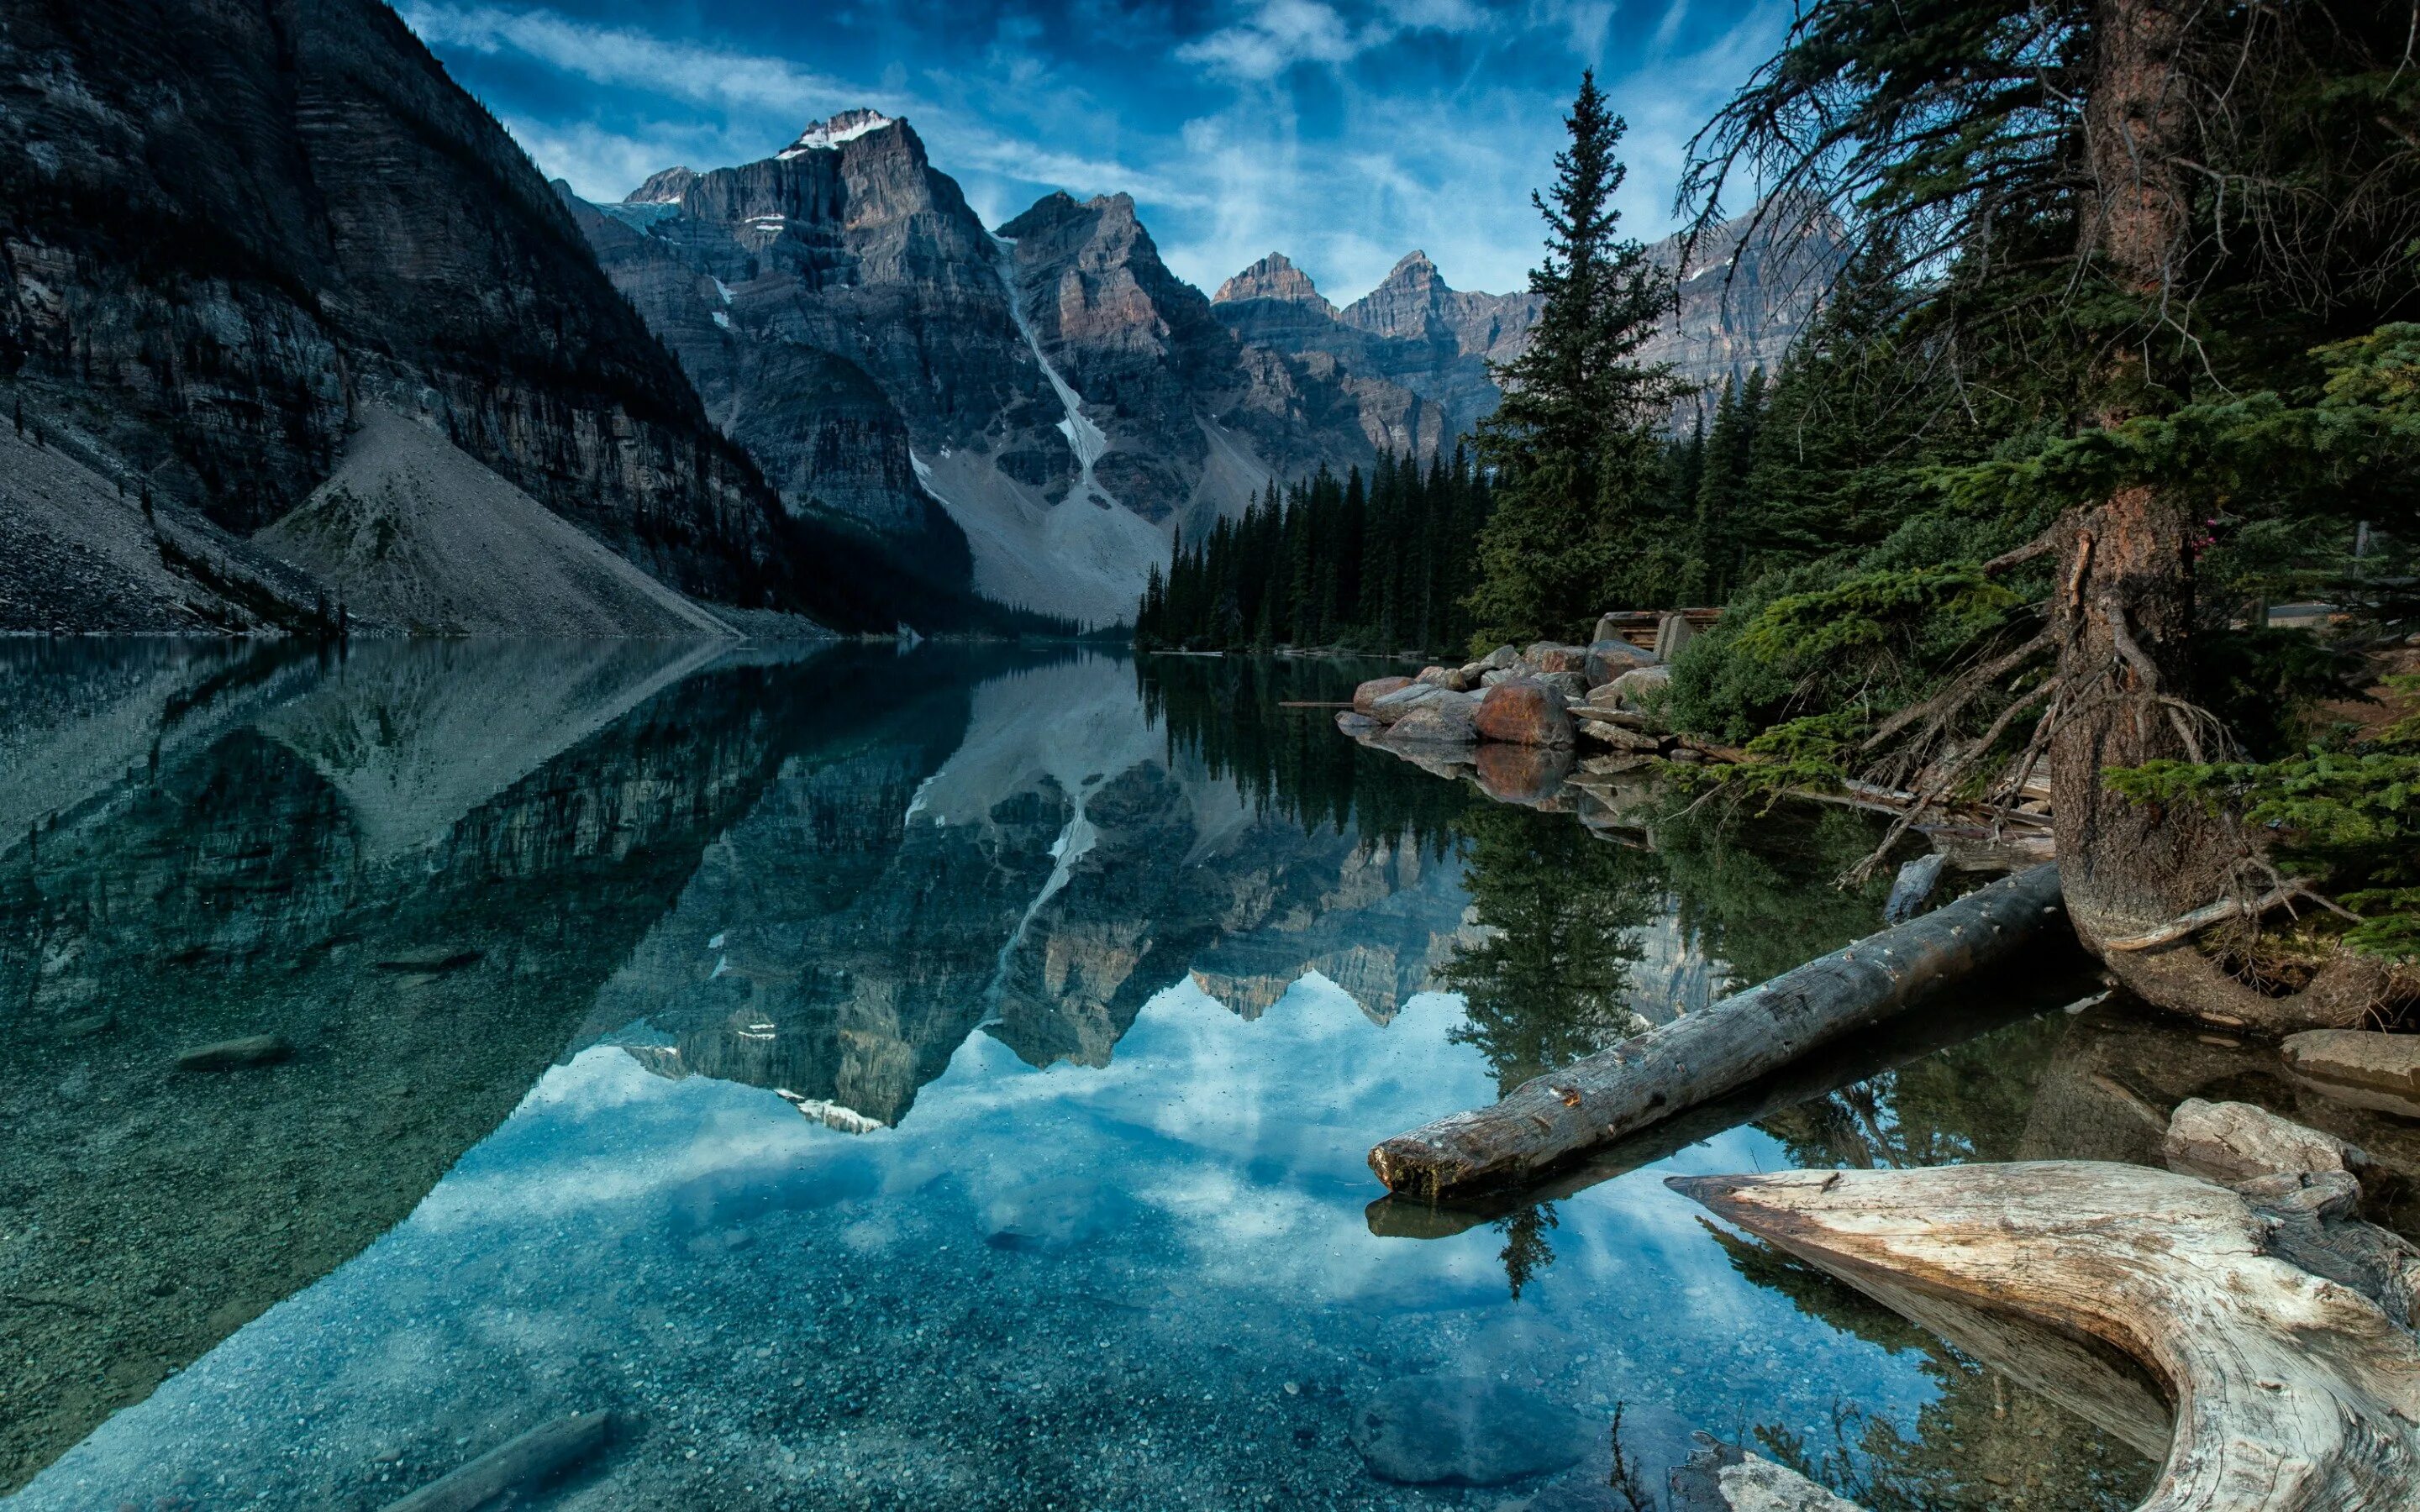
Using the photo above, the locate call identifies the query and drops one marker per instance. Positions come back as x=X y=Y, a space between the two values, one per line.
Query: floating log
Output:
x=518 y=1465
x=2292 y=1391
x=1909 y=1038
x=1701 y=1055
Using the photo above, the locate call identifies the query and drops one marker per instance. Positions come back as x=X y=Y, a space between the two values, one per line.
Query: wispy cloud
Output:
x=627 y=58
x=1344 y=132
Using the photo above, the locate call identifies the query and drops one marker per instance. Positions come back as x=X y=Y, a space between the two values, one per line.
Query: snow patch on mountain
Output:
x=827 y=136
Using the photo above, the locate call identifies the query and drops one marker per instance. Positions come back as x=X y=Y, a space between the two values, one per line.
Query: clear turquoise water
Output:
x=934 y=1080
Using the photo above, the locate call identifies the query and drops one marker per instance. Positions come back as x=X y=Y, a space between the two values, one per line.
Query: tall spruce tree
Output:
x=1575 y=445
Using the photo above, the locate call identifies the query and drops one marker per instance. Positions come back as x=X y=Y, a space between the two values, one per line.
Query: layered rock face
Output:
x=226 y=227
x=1412 y=333
x=1063 y=398
x=1745 y=293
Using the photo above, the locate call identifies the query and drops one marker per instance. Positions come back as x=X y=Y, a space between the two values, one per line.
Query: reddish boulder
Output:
x=1559 y=659
x=1523 y=714
x=1374 y=690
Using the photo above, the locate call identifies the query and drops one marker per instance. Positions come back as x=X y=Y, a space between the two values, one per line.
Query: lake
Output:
x=890 y=1078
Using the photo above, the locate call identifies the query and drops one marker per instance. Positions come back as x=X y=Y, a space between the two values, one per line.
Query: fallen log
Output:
x=1701 y=1055
x=1859 y=1058
x=2291 y=1390
x=515 y=1467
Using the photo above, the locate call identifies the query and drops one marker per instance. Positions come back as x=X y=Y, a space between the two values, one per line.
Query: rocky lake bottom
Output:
x=931 y=1078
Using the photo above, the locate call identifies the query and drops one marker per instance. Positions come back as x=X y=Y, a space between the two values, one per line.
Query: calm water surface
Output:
x=886 y=1080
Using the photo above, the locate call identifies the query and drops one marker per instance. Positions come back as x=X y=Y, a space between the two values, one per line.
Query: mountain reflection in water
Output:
x=1093 y=979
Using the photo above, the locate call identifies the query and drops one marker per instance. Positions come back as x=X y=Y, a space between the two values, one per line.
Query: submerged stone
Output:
x=2362 y=1067
x=1465 y=1430
x=1656 y=1441
x=234 y=1055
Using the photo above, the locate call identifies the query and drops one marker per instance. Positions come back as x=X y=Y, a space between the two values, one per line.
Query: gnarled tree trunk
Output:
x=2124 y=607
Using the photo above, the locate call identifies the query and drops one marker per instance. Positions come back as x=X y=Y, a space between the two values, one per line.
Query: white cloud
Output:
x=764 y=100
x=635 y=59
x=1279 y=34
x=1377 y=170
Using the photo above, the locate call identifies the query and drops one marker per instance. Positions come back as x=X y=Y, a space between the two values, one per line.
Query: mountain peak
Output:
x=1414 y=269
x=662 y=187
x=1274 y=277
x=827 y=136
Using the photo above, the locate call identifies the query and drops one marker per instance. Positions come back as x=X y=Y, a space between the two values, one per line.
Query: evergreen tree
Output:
x=1376 y=564
x=1574 y=442
x=1725 y=500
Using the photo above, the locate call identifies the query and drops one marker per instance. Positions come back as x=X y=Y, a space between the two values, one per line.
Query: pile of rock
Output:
x=1548 y=697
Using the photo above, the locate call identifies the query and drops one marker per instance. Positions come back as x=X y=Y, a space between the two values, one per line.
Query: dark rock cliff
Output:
x=224 y=228
x=1412 y=333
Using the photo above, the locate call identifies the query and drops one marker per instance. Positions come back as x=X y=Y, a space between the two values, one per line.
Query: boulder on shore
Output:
x=1609 y=659
x=1403 y=701
x=1500 y=658
x=1526 y=713
x=1440 y=721
x=1548 y=658
x=1618 y=737
x=1633 y=688
x=1453 y=679
x=1374 y=690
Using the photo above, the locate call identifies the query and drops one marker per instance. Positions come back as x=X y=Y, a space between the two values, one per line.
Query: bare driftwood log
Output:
x=518 y=1465
x=2292 y=1390
x=1951 y=1021
x=1704 y=1055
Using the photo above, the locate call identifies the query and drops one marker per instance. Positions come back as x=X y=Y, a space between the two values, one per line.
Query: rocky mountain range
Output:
x=1742 y=296
x=1050 y=388
x=233 y=238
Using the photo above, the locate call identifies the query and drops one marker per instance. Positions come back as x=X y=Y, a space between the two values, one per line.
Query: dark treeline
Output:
x=1378 y=564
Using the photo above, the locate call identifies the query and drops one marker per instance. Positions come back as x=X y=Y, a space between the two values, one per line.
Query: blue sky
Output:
x=1343 y=132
